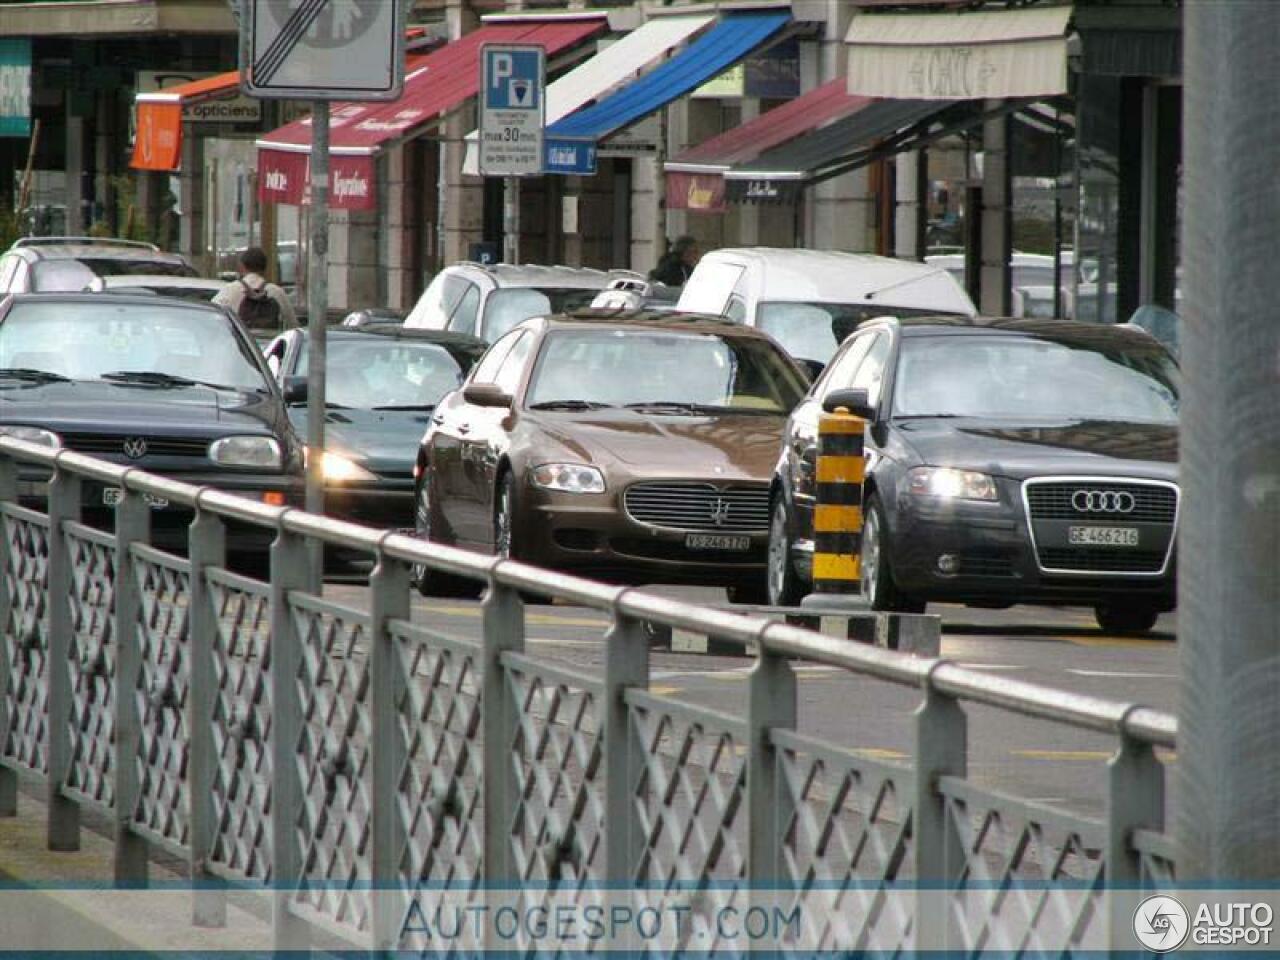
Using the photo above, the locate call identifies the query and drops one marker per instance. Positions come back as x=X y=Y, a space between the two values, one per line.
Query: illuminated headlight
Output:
x=263 y=452
x=951 y=484
x=46 y=438
x=569 y=477
x=336 y=468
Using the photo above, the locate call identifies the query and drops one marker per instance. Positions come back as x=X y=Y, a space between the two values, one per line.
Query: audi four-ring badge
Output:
x=1011 y=461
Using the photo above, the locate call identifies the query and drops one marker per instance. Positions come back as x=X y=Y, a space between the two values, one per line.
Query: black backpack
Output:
x=258 y=311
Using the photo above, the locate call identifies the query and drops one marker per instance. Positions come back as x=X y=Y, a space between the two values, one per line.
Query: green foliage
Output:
x=9 y=229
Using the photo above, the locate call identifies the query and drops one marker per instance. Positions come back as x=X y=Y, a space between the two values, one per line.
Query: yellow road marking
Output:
x=880 y=753
x=664 y=691
x=1064 y=754
x=551 y=619
x=1118 y=642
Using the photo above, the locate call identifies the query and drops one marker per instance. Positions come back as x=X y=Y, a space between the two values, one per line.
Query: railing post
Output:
x=503 y=631
x=133 y=525
x=64 y=813
x=290 y=571
x=771 y=704
x=1135 y=800
x=941 y=744
x=8 y=643
x=389 y=600
x=207 y=548
x=626 y=664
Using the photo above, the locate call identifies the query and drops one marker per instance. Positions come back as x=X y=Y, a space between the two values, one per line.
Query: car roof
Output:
x=90 y=251
x=651 y=320
x=116 y=300
x=822 y=265
x=1075 y=331
x=537 y=275
x=161 y=280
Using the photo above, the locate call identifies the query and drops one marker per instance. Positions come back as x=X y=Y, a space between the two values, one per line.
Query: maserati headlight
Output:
x=262 y=452
x=569 y=477
x=951 y=484
x=38 y=435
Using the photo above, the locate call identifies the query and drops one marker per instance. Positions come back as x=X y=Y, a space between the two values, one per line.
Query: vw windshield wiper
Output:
x=569 y=405
x=672 y=406
x=30 y=373
x=406 y=406
x=154 y=378
x=928 y=416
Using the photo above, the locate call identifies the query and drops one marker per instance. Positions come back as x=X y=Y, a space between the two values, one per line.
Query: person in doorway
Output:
x=677 y=263
x=259 y=305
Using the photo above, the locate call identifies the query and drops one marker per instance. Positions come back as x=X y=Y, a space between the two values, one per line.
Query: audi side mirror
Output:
x=486 y=395
x=854 y=401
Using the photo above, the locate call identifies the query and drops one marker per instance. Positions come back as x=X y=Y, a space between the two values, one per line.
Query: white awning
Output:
x=960 y=56
x=613 y=65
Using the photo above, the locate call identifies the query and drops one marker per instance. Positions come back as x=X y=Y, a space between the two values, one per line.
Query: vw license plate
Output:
x=711 y=541
x=1103 y=536
x=111 y=496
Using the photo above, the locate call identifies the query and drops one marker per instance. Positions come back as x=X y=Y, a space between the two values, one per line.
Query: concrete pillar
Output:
x=997 y=216
x=647 y=240
x=394 y=211
x=75 y=166
x=191 y=200
x=353 y=259
x=912 y=181
x=462 y=207
x=105 y=196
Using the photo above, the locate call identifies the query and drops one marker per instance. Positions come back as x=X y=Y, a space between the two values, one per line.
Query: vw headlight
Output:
x=336 y=468
x=951 y=484
x=46 y=438
x=262 y=452
x=569 y=477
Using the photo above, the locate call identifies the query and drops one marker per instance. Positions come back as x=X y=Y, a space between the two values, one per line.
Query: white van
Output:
x=810 y=300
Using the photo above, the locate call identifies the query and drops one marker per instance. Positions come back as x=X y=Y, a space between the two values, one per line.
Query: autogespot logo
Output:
x=1161 y=924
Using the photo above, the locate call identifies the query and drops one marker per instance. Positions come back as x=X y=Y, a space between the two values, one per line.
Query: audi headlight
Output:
x=951 y=484
x=262 y=452
x=46 y=438
x=336 y=468
x=569 y=477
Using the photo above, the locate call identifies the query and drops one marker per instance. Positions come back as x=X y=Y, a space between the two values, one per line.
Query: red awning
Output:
x=434 y=85
x=695 y=178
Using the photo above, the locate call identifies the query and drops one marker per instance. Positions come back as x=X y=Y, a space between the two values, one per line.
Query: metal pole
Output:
x=1227 y=820
x=317 y=309
x=511 y=219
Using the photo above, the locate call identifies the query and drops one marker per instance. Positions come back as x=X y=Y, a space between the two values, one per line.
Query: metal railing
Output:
x=271 y=736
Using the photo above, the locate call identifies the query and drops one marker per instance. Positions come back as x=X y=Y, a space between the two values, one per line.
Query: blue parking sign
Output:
x=512 y=100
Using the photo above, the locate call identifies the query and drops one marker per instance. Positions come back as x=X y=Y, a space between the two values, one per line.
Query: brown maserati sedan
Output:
x=636 y=448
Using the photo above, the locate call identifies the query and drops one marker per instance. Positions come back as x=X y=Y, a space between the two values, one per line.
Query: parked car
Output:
x=195 y=289
x=636 y=448
x=487 y=300
x=172 y=387
x=1010 y=461
x=378 y=315
x=381 y=385
x=43 y=264
x=810 y=300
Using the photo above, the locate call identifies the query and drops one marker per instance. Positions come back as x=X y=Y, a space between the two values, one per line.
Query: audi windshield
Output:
x=1030 y=378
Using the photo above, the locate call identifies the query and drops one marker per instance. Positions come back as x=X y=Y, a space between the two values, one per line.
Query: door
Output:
x=448 y=471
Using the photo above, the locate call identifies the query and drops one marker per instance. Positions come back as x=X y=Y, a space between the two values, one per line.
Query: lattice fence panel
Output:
x=26 y=639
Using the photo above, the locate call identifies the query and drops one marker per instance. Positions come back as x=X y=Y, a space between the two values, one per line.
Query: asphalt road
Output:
x=1032 y=759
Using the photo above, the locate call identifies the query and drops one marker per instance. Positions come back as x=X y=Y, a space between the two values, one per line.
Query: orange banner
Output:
x=158 y=144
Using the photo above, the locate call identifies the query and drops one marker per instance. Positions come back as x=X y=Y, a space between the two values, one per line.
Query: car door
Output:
x=451 y=426
x=490 y=436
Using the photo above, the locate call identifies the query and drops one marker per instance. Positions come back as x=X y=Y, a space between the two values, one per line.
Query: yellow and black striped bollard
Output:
x=837 y=516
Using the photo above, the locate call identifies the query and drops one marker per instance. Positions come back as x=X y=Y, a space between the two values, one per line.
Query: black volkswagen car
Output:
x=381 y=384
x=173 y=387
x=1009 y=461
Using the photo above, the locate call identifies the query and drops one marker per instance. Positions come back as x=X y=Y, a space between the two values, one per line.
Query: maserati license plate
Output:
x=1103 y=536
x=714 y=541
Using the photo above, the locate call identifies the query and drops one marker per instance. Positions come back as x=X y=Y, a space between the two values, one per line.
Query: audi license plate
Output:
x=111 y=496
x=714 y=541
x=1103 y=536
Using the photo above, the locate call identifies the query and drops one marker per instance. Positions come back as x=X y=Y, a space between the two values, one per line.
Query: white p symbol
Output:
x=503 y=67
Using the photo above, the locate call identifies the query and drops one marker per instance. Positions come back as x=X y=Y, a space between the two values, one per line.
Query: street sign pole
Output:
x=511 y=219
x=1227 y=816
x=317 y=313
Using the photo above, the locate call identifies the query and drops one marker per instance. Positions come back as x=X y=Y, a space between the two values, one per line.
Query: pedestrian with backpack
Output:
x=259 y=305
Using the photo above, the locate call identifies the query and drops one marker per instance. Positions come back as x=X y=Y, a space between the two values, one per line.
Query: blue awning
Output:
x=735 y=36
